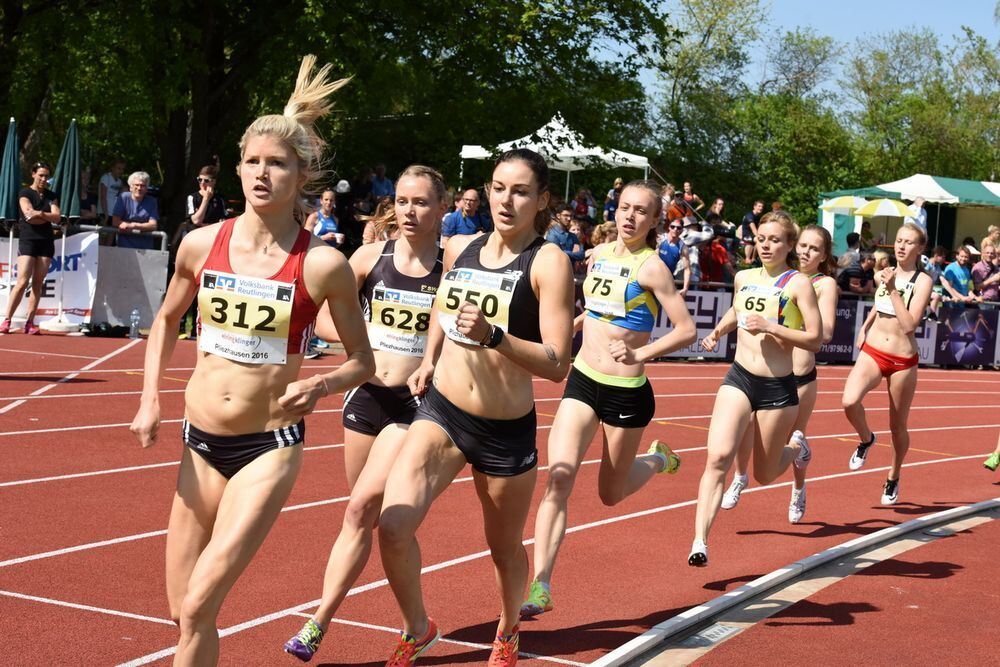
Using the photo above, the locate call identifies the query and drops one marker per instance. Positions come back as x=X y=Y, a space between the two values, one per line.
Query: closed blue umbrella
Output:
x=65 y=182
x=10 y=174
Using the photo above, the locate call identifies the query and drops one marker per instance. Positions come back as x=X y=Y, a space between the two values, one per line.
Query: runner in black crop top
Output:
x=503 y=294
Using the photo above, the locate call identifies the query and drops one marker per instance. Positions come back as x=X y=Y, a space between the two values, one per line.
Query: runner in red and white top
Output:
x=259 y=280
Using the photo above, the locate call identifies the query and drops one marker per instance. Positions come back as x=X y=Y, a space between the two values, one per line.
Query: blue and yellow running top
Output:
x=613 y=293
x=765 y=296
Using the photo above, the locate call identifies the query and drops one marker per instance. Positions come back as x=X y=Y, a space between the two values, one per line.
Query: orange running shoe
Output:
x=505 y=649
x=410 y=648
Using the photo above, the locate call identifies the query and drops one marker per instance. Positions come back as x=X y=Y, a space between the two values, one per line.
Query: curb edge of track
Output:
x=675 y=625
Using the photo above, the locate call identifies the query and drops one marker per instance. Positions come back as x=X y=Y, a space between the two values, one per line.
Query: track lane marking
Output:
x=665 y=421
x=47 y=354
x=73 y=374
x=319 y=503
x=87 y=607
x=261 y=620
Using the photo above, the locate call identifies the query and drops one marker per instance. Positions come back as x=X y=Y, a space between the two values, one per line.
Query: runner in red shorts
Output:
x=889 y=349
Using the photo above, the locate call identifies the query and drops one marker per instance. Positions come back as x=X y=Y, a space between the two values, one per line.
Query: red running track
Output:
x=83 y=510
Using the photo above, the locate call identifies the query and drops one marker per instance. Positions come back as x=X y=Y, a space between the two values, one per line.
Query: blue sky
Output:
x=847 y=20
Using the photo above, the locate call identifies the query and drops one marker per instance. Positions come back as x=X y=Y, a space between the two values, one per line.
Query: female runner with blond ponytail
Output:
x=260 y=279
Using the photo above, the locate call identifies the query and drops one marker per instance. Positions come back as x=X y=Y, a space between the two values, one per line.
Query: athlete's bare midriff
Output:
x=887 y=336
x=392 y=370
x=227 y=397
x=483 y=382
x=763 y=354
x=596 y=337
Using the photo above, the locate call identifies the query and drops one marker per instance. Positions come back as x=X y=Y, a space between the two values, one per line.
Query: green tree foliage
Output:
x=169 y=83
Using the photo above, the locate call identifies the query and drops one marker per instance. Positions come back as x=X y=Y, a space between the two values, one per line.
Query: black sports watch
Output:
x=496 y=335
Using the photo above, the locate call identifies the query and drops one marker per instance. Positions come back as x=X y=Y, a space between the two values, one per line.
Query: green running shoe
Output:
x=671 y=462
x=992 y=462
x=539 y=601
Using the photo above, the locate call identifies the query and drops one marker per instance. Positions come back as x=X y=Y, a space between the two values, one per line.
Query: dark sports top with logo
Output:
x=397 y=307
x=254 y=320
x=503 y=294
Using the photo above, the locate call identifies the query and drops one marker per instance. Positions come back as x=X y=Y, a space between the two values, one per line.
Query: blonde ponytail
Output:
x=295 y=126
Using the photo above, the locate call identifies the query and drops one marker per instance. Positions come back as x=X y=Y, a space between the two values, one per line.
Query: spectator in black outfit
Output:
x=88 y=201
x=859 y=277
x=206 y=206
x=748 y=230
x=38 y=210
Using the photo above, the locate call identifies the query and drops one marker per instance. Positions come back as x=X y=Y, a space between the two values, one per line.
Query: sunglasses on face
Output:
x=675 y=227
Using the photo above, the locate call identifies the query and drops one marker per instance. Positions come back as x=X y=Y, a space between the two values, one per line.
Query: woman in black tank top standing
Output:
x=506 y=306
x=397 y=281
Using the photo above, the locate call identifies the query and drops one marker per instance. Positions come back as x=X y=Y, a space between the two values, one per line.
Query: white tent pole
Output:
x=566 y=198
x=62 y=273
x=10 y=262
x=461 y=173
x=645 y=173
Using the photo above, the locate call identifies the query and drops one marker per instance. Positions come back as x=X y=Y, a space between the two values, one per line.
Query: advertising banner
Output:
x=966 y=337
x=706 y=309
x=79 y=269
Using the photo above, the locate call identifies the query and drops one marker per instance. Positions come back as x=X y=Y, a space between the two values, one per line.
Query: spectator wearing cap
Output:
x=858 y=277
x=674 y=254
x=382 y=186
x=136 y=211
x=466 y=219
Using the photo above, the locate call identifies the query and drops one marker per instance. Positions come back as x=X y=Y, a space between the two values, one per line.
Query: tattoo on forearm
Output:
x=549 y=352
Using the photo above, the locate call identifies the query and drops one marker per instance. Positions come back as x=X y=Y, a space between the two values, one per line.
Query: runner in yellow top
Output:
x=776 y=311
x=814 y=250
x=625 y=287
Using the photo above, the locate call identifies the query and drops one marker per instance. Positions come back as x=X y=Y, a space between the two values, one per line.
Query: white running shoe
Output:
x=797 y=507
x=699 y=554
x=732 y=494
x=860 y=454
x=805 y=452
x=890 y=493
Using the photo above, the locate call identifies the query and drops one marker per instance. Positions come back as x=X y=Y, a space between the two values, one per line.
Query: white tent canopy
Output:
x=920 y=185
x=563 y=149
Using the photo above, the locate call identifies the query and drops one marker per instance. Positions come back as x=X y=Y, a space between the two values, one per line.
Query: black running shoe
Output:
x=890 y=493
x=860 y=455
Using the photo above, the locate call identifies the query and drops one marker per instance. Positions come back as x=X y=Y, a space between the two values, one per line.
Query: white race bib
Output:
x=245 y=319
x=400 y=320
x=492 y=292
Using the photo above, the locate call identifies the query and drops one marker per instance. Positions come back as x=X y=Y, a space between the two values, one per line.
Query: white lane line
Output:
x=330 y=501
x=87 y=607
x=319 y=412
x=46 y=354
x=112 y=471
x=73 y=374
x=261 y=620
x=445 y=640
x=153 y=466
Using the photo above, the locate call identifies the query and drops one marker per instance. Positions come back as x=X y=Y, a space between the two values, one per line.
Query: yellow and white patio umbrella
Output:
x=846 y=204
x=889 y=208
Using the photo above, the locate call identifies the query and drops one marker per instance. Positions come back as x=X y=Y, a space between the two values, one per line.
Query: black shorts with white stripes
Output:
x=230 y=453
